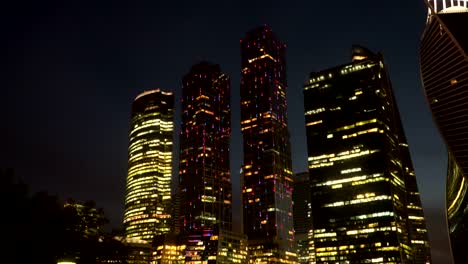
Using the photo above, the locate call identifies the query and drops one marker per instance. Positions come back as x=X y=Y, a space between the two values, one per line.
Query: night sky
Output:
x=72 y=69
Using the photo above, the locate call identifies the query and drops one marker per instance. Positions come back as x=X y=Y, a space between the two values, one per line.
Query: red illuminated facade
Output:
x=267 y=177
x=204 y=172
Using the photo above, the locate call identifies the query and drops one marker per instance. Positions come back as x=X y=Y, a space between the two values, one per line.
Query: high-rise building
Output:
x=232 y=248
x=444 y=73
x=205 y=190
x=267 y=177
x=302 y=217
x=168 y=249
x=137 y=251
x=365 y=203
x=148 y=192
x=92 y=219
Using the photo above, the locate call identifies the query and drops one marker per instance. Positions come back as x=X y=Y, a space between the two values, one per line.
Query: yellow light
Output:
x=314 y=123
x=262 y=57
x=315 y=111
x=458 y=194
x=150 y=170
x=359 y=57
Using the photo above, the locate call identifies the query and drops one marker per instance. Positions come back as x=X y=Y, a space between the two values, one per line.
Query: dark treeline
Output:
x=39 y=229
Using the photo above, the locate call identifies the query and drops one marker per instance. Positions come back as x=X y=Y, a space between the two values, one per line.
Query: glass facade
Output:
x=365 y=203
x=444 y=73
x=267 y=177
x=138 y=251
x=205 y=191
x=168 y=254
x=302 y=213
x=148 y=189
x=91 y=218
x=168 y=249
x=232 y=248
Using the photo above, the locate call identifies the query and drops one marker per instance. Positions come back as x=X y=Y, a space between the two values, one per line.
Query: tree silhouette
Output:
x=39 y=229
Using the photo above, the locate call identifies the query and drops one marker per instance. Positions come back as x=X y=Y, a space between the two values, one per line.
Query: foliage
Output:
x=41 y=230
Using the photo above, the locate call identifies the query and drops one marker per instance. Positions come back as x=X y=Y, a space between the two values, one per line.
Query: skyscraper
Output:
x=267 y=177
x=444 y=73
x=302 y=216
x=205 y=190
x=148 y=191
x=365 y=203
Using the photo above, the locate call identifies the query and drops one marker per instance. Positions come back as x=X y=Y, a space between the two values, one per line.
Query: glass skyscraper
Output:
x=148 y=190
x=303 y=217
x=205 y=190
x=444 y=73
x=267 y=177
x=365 y=202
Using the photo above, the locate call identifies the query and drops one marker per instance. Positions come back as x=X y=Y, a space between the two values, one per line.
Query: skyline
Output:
x=79 y=83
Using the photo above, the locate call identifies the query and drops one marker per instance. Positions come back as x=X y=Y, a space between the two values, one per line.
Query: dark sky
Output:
x=72 y=69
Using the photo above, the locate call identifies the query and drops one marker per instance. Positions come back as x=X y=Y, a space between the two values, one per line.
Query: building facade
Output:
x=365 y=203
x=444 y=73
x=232 y=248
x=138 y=251
x=267 y=177
x=92 y=219
x=168 y=249
x=302 y=212
x=205 y=191
x=148 y=189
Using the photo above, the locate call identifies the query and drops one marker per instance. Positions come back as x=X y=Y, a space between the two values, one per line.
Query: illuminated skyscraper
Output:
x=148 y=192
x=267 y=183
x=444 y=72
x=168 y=249
x=92 y=219
x=205 y=189
x=365 y=202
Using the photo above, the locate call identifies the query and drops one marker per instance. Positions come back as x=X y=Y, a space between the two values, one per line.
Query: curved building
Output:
x=148 y=190
x=444 y=73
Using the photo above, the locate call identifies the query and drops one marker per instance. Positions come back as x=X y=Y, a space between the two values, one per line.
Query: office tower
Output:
x=302 y=213
x=267 y=185
x=204 y=172
x=168 y=249
x=444 y=73
x=365 y=203
x=148 y=192
x=232 y=248
x=138 y=251
x=91 y=219
x=416 y=219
